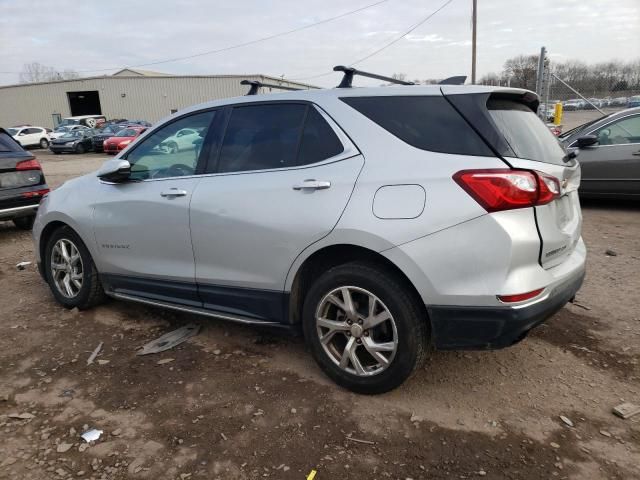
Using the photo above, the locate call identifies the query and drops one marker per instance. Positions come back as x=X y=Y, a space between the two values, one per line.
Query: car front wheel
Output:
x=365 y=328
x=44 y=143
x=70 y=271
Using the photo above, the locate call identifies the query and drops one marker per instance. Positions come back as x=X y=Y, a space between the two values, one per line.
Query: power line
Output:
x=387 y=45
x=238 y=45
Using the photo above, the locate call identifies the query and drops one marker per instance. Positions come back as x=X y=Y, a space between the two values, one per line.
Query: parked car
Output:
x=64 y=130
x=22 y=183
x=122 y=139
x=379 y=221
x=107 y=131
x=75 y=141
x=571 y=105
x=633 y=102
x=90 y=121
x=30 y=136
x=609 y=155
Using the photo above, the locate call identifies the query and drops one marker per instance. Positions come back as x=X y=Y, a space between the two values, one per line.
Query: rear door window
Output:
x=260 y=137
x=319 y=141
x=524 y=132
x=425 y=122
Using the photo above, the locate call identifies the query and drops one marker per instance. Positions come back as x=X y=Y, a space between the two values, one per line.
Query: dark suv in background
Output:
x=22 y=183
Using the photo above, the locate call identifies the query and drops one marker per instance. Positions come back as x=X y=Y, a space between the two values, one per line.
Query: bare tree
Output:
x=522 y=71
x=36 y=72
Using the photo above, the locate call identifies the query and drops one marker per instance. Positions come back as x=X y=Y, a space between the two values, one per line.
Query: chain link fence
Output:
x=585 y=92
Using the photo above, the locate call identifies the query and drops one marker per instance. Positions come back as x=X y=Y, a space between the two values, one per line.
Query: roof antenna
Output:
x=255 y=85
x=458 y=80
x=349 y=72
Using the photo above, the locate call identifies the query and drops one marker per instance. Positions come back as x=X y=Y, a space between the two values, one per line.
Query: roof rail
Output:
x=458 y=80
x=255 y=85
x=349 y=72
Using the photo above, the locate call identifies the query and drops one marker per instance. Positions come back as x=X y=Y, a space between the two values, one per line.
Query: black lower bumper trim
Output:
x=485 y=328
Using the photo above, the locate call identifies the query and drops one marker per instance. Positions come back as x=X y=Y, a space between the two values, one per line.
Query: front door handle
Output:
x=636 y=153
x=173 y=192
x=312 y=184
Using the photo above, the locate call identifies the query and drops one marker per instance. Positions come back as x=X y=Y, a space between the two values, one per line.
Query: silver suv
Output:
x=383 y=222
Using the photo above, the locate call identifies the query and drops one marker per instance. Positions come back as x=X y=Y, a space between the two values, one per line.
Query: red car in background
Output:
x=123 y=138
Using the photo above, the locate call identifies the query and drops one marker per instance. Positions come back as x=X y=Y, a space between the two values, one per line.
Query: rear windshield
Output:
x=425 y=122
x=8 y=144
x=525 y=133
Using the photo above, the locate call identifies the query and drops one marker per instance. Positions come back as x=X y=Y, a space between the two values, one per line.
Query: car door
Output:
x=142 y=226
x=612 y=166
x=281 y=177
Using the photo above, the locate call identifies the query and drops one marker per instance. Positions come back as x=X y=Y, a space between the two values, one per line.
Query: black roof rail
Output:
x=255 y=85
x=349 y=72
x=457 y=80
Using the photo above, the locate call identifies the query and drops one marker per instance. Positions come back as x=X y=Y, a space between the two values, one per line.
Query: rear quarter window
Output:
x=425 y=122
x=8 y=144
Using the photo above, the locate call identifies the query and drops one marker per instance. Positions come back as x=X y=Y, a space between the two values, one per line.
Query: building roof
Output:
x=136 y=72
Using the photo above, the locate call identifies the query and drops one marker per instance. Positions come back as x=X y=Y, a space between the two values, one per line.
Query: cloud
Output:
x=88 y=35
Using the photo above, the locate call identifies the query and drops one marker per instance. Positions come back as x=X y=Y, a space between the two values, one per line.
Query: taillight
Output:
x=519 y=297
x=505 y=189
x=37 y=193
x=32 y=164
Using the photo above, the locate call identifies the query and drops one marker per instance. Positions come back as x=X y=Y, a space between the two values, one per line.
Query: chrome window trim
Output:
x=573 y=144
x=350 y=150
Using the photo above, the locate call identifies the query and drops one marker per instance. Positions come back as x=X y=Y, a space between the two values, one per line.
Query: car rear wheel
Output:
x=44 y=143
x=70 y=271
x=365 y=328
x=80 y=148
x=24 y=223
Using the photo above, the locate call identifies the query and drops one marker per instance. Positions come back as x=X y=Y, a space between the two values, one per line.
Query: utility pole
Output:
x=474 y=22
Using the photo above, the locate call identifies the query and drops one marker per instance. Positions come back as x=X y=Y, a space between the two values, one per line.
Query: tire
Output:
x=56 y=153
x=24 y=223
x=80 y=148
x=44 y=143
x=406 y=329
x=173 y=148
x=90 y=291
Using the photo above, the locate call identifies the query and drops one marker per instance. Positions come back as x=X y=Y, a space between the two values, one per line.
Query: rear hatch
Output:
x=19 y=172
x=507 y=121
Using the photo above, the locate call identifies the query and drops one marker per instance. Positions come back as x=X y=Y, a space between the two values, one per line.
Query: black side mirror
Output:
x=115 y=171
x=587 y=141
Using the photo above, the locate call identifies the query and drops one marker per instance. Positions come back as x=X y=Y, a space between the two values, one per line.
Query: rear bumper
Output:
x=17 y=212
x=483 y=328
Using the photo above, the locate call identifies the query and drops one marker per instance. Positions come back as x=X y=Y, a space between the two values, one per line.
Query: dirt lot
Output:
x=237 y=403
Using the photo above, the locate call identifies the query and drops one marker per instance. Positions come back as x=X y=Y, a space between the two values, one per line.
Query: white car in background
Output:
x=184 y=139
x=64 y=130
x=30 y=136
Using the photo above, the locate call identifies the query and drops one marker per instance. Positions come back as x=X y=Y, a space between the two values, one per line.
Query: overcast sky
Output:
x=87 y=35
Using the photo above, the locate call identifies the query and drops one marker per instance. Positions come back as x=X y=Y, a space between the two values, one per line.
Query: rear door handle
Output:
x=312 y=184
x=173 y=192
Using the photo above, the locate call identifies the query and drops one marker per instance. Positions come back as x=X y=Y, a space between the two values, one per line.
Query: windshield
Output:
x=69 y=121
x=61 y=129
x=110 y=129
x=73 y=134
x=525 y=133
x=127 y=132
x=12 y=131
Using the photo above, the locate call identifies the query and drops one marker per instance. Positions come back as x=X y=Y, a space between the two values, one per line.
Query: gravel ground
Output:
x=239 y=403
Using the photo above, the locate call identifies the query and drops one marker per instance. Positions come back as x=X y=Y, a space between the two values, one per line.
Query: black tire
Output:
x=173 y=148
x=56 y=153
x=402 y=303
x=24 y=223
x=44 y=143
x=79 y=148
x=91 y=293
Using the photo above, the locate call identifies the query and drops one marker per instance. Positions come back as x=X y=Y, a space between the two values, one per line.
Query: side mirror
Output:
x=115 y=171
x=587 y=141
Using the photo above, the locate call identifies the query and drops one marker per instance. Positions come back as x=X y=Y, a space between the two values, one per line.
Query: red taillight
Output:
x=506 y=189
x=37 y=193
x=32 y=164
x=520 y=296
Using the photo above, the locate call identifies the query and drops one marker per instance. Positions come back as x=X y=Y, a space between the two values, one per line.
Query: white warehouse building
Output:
x=131 y=94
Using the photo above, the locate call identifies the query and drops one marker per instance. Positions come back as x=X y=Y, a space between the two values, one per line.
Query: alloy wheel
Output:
x=356 y=330
x=66 y=268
